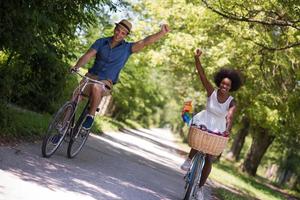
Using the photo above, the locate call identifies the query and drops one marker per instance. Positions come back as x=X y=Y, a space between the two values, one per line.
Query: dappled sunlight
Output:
x=33 y=170
x=109 y=194
x=161 y=137
x=141 y=188
x=147 y=146
x=16 y=188
x=109 y=167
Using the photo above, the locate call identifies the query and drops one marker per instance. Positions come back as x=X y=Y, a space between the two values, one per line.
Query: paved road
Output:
x=132 y=164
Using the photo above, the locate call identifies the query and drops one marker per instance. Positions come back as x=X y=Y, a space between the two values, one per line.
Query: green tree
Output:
x=261 y=40
x=36 y=40
x=275 y=30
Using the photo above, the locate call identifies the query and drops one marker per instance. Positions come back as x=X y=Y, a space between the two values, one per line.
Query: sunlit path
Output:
x=131 y=164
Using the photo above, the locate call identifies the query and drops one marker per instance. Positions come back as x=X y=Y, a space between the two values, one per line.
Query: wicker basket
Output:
x=206 y=142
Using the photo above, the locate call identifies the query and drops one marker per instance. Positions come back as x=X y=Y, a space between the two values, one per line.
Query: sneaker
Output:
x=186 y=165
x=87 y=124
x=60 y=128
x=199 y=194
x=55 y=139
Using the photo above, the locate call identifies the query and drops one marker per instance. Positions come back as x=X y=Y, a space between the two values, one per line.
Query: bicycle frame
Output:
x=86 y=81
x=76 y=97
x=198 y=162
x=64 y=123
x=196 y=168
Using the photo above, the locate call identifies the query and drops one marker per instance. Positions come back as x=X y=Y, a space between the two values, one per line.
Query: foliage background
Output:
x=40 y=40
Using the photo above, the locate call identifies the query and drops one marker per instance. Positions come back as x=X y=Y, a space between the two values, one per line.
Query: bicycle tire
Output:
x=79 y=136
x=49 y=146
x=195 y=176
x=72 y=150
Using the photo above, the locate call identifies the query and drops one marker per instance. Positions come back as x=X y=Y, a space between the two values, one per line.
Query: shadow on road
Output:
x=101 y=171
x=149 y=136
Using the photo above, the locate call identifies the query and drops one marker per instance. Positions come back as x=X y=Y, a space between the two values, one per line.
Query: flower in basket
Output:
x=186 y=112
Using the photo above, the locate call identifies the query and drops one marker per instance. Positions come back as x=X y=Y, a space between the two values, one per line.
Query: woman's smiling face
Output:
x=225 y=85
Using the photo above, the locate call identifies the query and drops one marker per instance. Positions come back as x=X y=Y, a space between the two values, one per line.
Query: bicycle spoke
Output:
x=79 y=135
x=77 y=142
x=57 y=129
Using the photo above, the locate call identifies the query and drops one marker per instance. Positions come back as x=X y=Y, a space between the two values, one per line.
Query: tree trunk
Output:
x=261 y=142
x=271 y=172
x=296 y=183
x=238 y=143
x=106 y=105
x=284 y=176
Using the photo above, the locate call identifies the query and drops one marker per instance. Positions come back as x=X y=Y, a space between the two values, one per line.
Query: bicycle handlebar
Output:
x=88 y=78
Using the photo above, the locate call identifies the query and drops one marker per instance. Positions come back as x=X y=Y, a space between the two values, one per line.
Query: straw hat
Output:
x=125 y=24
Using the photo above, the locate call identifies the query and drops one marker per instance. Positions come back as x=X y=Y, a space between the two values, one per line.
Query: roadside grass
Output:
x=25 y=125
x=234 y=185
x=226 y=194
x=103 y=123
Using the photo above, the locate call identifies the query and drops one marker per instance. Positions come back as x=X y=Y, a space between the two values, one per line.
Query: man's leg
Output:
x=95 y=95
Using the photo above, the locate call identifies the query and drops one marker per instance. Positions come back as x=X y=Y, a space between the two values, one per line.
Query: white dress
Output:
x=214 y=117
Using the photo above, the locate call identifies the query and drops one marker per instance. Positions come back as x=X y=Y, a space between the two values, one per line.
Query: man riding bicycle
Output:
x=111 y=55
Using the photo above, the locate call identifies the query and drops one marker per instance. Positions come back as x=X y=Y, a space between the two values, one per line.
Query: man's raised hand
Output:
x=74 y=69
x=165 y=28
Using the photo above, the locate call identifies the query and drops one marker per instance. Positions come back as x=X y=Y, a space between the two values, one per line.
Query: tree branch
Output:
x=274 y=48
x=271 y=22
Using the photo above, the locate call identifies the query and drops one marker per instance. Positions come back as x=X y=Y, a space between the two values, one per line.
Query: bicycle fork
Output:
x=76 y=126
x=195 y=170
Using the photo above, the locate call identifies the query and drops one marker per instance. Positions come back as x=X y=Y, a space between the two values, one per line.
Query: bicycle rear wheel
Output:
x=79 y=136
x=193 y=176
x=57 y=129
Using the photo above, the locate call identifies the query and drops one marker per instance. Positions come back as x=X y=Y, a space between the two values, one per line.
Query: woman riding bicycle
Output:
x=218 y=116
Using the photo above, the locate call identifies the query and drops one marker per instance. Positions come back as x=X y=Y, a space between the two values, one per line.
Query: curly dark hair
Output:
x=233 y=75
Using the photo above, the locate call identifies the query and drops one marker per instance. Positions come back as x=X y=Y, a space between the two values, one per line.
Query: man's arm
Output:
x=85 y=58
x=137 y=46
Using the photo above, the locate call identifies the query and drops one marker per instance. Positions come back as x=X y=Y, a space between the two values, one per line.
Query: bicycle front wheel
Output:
x=77 y=143
x=57 y=129
x=79 y=136
x=194 y=176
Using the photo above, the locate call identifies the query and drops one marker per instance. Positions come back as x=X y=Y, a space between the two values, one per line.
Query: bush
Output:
x=36 y=83
x=3 y=111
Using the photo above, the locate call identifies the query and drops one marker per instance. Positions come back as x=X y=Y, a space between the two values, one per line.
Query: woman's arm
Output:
x=229 y=117
x=207 y=85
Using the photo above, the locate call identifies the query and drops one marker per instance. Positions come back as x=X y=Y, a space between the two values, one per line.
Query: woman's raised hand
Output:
x=198 y=53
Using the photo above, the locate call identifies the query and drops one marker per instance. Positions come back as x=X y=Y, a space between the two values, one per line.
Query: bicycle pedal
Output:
x=83 y=133
x=67 y=139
